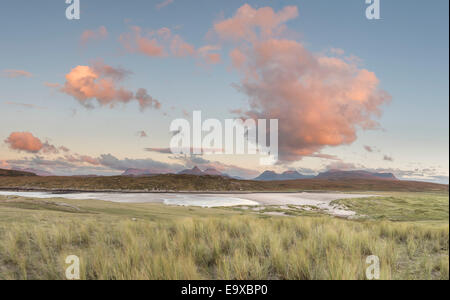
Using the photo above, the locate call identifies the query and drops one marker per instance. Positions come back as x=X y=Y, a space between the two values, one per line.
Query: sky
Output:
x=97 y=95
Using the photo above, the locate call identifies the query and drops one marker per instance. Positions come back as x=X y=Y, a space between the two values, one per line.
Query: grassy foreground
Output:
x=148 y=241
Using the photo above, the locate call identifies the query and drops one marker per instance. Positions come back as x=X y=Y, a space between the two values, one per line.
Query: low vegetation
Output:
x=13 y=173
x=153 y=241
x=208 y=183
x=423 y=207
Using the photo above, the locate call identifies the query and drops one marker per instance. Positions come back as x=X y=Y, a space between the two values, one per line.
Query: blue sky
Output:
x=407 y=50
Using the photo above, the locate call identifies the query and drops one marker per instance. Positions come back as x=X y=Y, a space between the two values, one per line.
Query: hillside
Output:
x=14 y=173
x=164 y=183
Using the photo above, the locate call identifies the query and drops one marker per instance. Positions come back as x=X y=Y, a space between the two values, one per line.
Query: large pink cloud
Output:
x=100 y=82
x=319 y=100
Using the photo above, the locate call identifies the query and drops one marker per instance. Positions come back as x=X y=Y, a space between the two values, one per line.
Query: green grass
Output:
x=153 y=241
x=426 y=207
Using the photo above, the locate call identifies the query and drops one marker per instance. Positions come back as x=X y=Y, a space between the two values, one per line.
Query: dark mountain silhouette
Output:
x=288 y=175
x=196 y=171
x=329 y=175
x=358 y=174
x=138 y=172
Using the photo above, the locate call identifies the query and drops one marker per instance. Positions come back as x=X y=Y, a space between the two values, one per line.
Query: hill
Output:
x=192 y=183
x=348 y=175
x=15 y=173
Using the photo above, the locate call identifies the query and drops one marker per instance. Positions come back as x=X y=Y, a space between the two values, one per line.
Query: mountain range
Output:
x=265 y=176
x=328 y=175
x=196 y=171
x=359 y=174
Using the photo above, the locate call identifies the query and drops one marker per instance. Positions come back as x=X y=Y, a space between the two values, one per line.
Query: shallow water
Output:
x=208 y=201
x=322 y=201
x=168 y=199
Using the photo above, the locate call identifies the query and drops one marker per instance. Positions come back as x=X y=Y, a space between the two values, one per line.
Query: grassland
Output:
x=408 y=231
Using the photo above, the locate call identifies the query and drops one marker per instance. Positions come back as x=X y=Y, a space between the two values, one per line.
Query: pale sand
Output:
x=320 y=200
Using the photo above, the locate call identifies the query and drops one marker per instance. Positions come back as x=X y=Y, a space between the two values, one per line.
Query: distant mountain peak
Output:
x=194 y=171
x=137 y=172
x=274 y=176
x=355 y=174
x=197 y=172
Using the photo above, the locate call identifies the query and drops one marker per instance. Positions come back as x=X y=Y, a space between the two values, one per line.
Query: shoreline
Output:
x=110 y=191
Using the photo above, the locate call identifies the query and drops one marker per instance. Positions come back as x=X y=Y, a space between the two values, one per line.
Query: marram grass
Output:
x=236 y=247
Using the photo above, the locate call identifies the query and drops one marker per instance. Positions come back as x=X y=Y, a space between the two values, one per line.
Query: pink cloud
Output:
x=17 y=73
x=100 y=82
x=24 y=141
x=64 y=149
x=76 y=158
x=25 y=105
x=180 y=48
x=213 y=58
x=164 y=43
x=49 y=149
x=52 y=85
x=4 y=165
x=238 y=58
x=319 y=101
x=368 y=148
x=209 y=54
x=142 y=134
x=164 y=4
x=27 y=142
x=248 y=23
x=85 y=83
x=135 y=42
x=145 y=100
x=93 y=35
